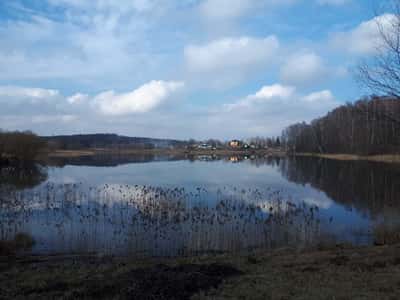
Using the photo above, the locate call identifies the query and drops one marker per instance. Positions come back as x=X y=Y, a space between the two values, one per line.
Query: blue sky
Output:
x=180 y=68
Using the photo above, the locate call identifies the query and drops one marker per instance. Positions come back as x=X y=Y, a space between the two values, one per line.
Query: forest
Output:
x=369 y=126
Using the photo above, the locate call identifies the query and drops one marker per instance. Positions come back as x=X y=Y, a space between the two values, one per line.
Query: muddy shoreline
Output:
x=341 y=272
x=386 y=158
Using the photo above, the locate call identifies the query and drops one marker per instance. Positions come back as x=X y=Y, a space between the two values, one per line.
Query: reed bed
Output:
x=156 y=221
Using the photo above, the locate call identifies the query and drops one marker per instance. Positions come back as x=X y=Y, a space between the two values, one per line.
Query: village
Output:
x=270 y=145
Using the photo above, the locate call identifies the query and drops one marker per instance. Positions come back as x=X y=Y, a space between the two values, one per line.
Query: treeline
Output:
x=109 y=141
x=19 y=146
x=368 y=126
x=265 y=142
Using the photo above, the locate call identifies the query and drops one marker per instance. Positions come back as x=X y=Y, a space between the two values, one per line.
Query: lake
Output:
x=173 y=206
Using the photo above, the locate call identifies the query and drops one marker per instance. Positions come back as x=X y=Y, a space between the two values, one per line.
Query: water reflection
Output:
x=22 y=176
x=208 y=204
x=144 y=220
x=112 y=160
x=369 y=187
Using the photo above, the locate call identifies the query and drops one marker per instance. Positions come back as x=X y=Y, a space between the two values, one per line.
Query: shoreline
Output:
x=342 y=272
x=94 y=152
x=386 y=158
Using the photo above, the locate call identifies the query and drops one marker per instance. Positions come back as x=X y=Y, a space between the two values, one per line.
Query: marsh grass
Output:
x=146 y=220
x=351 y=273
x=386 y=234
x=21 y=242
x=387 y=158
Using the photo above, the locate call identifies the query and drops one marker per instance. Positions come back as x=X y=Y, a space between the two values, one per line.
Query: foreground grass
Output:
x=339 y=273
x=388 y=158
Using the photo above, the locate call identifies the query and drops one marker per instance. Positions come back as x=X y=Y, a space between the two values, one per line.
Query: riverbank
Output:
x=338 y=273
x=388 y=158
x=197 y=152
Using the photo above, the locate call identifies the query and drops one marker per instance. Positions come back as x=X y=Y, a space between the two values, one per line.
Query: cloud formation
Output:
x=231 y=9
x=95 y=55
x=365 y=39
x=333 y=2
x=23 y=93
x=226 y=62
x=303 y=69
x=265 y=112
x=144 y=99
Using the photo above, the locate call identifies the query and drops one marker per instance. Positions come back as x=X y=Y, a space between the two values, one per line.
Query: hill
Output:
x=108 y=141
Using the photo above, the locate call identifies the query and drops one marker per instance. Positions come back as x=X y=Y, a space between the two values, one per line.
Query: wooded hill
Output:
x=110 y=141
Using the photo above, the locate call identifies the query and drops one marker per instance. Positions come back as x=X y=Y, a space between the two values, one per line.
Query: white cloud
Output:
x=265 y=112
x=144 y=99
x=319 y=97
x=229 y=61
x=231 y=9
x=222 y=9
x=366 y=37
x=303 y=69
x=106 y=45
x=120 y=5
x=77 y=98
x=233 y=53
x=333 y=2
x=322 y=201
x=86 y=42
x=265 y=94
x=31 y=93
x=272 y=91
x=141 y=100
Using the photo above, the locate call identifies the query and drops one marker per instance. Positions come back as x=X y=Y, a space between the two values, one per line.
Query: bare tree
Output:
x=381 y=73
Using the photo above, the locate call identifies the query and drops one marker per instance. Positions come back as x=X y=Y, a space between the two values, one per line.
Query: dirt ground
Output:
x=338 y=273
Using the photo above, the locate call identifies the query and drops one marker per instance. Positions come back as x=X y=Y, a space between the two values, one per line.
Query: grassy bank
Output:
x=221 y=152
x=338 y=273
x=388 y=158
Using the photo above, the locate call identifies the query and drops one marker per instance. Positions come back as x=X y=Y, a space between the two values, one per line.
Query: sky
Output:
x=180 y=68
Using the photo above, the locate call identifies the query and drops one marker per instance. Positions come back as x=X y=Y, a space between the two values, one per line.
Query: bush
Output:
x=21 y=241
x=22 y=146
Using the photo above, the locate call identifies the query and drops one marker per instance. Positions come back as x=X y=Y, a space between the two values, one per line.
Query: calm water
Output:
x=168 y=206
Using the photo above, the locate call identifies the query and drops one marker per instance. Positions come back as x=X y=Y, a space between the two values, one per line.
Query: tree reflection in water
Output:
x=369 y=187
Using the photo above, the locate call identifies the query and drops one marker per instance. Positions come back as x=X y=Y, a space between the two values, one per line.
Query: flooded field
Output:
x=168 y=206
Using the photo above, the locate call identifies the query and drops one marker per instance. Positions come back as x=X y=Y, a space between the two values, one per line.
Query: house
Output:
x=235 y=144
x=205 y=147
x=234 y=159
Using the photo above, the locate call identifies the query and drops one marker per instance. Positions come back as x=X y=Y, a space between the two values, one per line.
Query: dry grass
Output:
x=385 y=234
x=338 y=273
x=127 y=151
x=363 y=273
x=21 y=241
x=71 y=153
x=388 y=158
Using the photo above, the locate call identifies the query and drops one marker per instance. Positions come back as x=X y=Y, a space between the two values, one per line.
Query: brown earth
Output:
x=338 y=273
